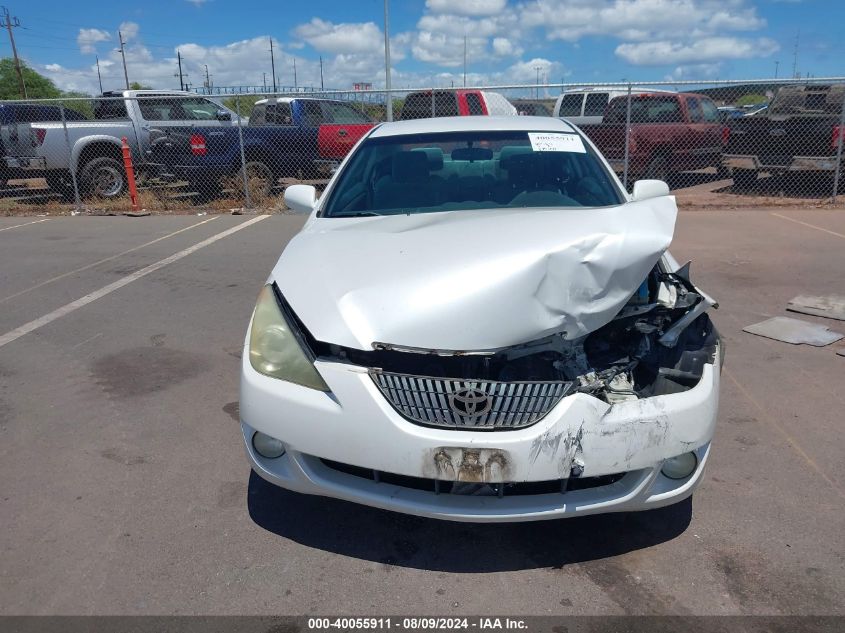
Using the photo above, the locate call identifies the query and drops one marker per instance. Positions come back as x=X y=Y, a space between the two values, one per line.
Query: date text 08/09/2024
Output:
x=416 y=623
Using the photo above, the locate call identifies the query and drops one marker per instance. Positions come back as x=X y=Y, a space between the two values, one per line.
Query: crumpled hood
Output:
x=471 y=280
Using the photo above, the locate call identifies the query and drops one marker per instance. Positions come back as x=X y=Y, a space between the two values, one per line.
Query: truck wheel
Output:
x=658 y=169
x=260 y=178
x=61 y=183
x=745 y=178
x=103 y=177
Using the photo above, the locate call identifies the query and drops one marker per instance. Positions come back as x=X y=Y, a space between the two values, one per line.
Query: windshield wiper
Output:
x=360 y=214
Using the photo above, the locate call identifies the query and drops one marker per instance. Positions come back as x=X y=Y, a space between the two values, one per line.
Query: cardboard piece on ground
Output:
x=830 y=306
x=794 y=331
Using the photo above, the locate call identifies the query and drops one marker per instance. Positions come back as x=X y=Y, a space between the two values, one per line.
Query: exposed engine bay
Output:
x=657 y=344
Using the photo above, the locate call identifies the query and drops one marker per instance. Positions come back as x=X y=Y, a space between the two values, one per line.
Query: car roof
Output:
x=473 y=124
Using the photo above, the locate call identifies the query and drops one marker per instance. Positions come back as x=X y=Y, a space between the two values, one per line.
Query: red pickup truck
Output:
x=669 y=133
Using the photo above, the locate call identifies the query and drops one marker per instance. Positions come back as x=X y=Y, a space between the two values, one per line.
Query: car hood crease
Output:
x=471 y=280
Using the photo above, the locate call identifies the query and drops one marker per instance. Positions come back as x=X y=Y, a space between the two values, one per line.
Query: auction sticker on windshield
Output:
x=556 y=142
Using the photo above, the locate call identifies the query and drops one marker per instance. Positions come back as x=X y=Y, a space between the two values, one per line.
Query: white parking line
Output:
x=102 y=261
x=17 y=226
x=812 y=226
x=128 y=279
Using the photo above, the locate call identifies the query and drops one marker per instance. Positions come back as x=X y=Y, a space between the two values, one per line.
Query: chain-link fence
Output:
x=757 y=142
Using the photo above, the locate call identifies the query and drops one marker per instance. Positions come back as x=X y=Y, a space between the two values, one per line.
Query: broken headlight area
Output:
x=658 y=344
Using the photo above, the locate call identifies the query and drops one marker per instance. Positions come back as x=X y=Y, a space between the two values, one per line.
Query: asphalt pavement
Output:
x=124 y=488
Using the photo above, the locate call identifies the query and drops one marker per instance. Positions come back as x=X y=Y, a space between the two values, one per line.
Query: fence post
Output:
x=247 y=201
x=838 y=174
x=77 y=202
x=433 y=113
x=627 y=138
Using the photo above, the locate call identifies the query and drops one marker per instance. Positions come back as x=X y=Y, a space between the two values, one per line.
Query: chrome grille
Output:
x=472 y=404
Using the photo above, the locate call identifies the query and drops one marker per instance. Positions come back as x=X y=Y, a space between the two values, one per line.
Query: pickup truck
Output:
x=92 y=148
x=425 y=104
x=11 y=116
x=285 y=137
x=799 y=133
x=669 y=133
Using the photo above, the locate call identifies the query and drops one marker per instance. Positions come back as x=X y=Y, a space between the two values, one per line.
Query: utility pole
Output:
x=795 y=74
x=777 y=63
x=99 y=78
x=264 y=79
x=322 y=87
x=181 y=78
x=538 y=69
x=294 y=75
x=9 y=22
x=123 y=55
x=387 y=61
x=465 y=61
x=207 y=79
x=273 y=64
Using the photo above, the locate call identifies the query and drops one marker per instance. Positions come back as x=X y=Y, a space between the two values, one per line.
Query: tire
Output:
x=260 y=177
x=745 y=178
x=61 y=183
x=103 y=177
x=658 y=169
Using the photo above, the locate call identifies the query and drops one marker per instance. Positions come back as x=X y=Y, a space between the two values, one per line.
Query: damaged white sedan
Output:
x=478 y=323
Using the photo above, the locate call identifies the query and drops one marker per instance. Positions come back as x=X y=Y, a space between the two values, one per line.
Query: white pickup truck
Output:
x=92 y=149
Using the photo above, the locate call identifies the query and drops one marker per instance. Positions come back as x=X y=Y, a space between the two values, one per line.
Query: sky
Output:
x=507 y=41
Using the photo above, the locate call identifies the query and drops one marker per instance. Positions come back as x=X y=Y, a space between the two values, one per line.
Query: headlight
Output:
x=274 y=349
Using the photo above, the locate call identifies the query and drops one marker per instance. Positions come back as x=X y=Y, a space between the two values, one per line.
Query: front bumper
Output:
x=354 y=425
x=797 y=163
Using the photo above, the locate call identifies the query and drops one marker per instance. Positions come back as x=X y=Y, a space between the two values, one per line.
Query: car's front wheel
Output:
x=103 y=177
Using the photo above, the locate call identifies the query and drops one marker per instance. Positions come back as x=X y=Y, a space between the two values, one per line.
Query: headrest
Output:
x=508 y=152
x=410 y=167
x=435 y=157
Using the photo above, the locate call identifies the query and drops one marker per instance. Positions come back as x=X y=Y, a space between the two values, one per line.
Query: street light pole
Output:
x=99 y=78
x=273 y=64
x=387 y=61
x=123 y=55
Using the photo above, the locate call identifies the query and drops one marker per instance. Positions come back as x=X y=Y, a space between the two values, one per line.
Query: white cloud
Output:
x=88 y=38
x=362 y=37
x=129 y=30
x=503 y=47
x=466 y=7
x=711 y=49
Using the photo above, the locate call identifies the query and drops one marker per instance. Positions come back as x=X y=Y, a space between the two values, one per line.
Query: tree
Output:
x=37 y=86
x=751 y=99
x=136 y=85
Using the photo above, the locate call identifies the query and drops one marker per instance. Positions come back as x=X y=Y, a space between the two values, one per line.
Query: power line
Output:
x=9 y=22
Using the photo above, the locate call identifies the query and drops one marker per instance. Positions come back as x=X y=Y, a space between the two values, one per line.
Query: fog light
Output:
x=267 y=446
x=680 y=467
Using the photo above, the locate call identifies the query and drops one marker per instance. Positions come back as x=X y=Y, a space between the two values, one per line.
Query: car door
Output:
x=694 y=144
x=166 y=113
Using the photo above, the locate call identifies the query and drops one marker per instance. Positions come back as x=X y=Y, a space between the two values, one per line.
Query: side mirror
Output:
x=647 y=189
x=224 y=115
x=301 y=198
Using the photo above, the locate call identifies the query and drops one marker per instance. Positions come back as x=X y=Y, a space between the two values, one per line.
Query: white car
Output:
x=477 y=323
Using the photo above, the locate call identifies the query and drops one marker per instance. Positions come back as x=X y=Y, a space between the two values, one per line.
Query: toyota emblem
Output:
x=469 y=402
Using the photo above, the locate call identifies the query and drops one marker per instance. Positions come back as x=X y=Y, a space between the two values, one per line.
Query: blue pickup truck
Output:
x=285 y=137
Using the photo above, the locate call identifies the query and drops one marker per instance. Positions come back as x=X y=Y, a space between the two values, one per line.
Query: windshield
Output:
x=425 y=173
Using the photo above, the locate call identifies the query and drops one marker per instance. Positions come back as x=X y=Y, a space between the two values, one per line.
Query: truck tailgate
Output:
x=336 y=139
x=776 y=140
x=609 y=138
